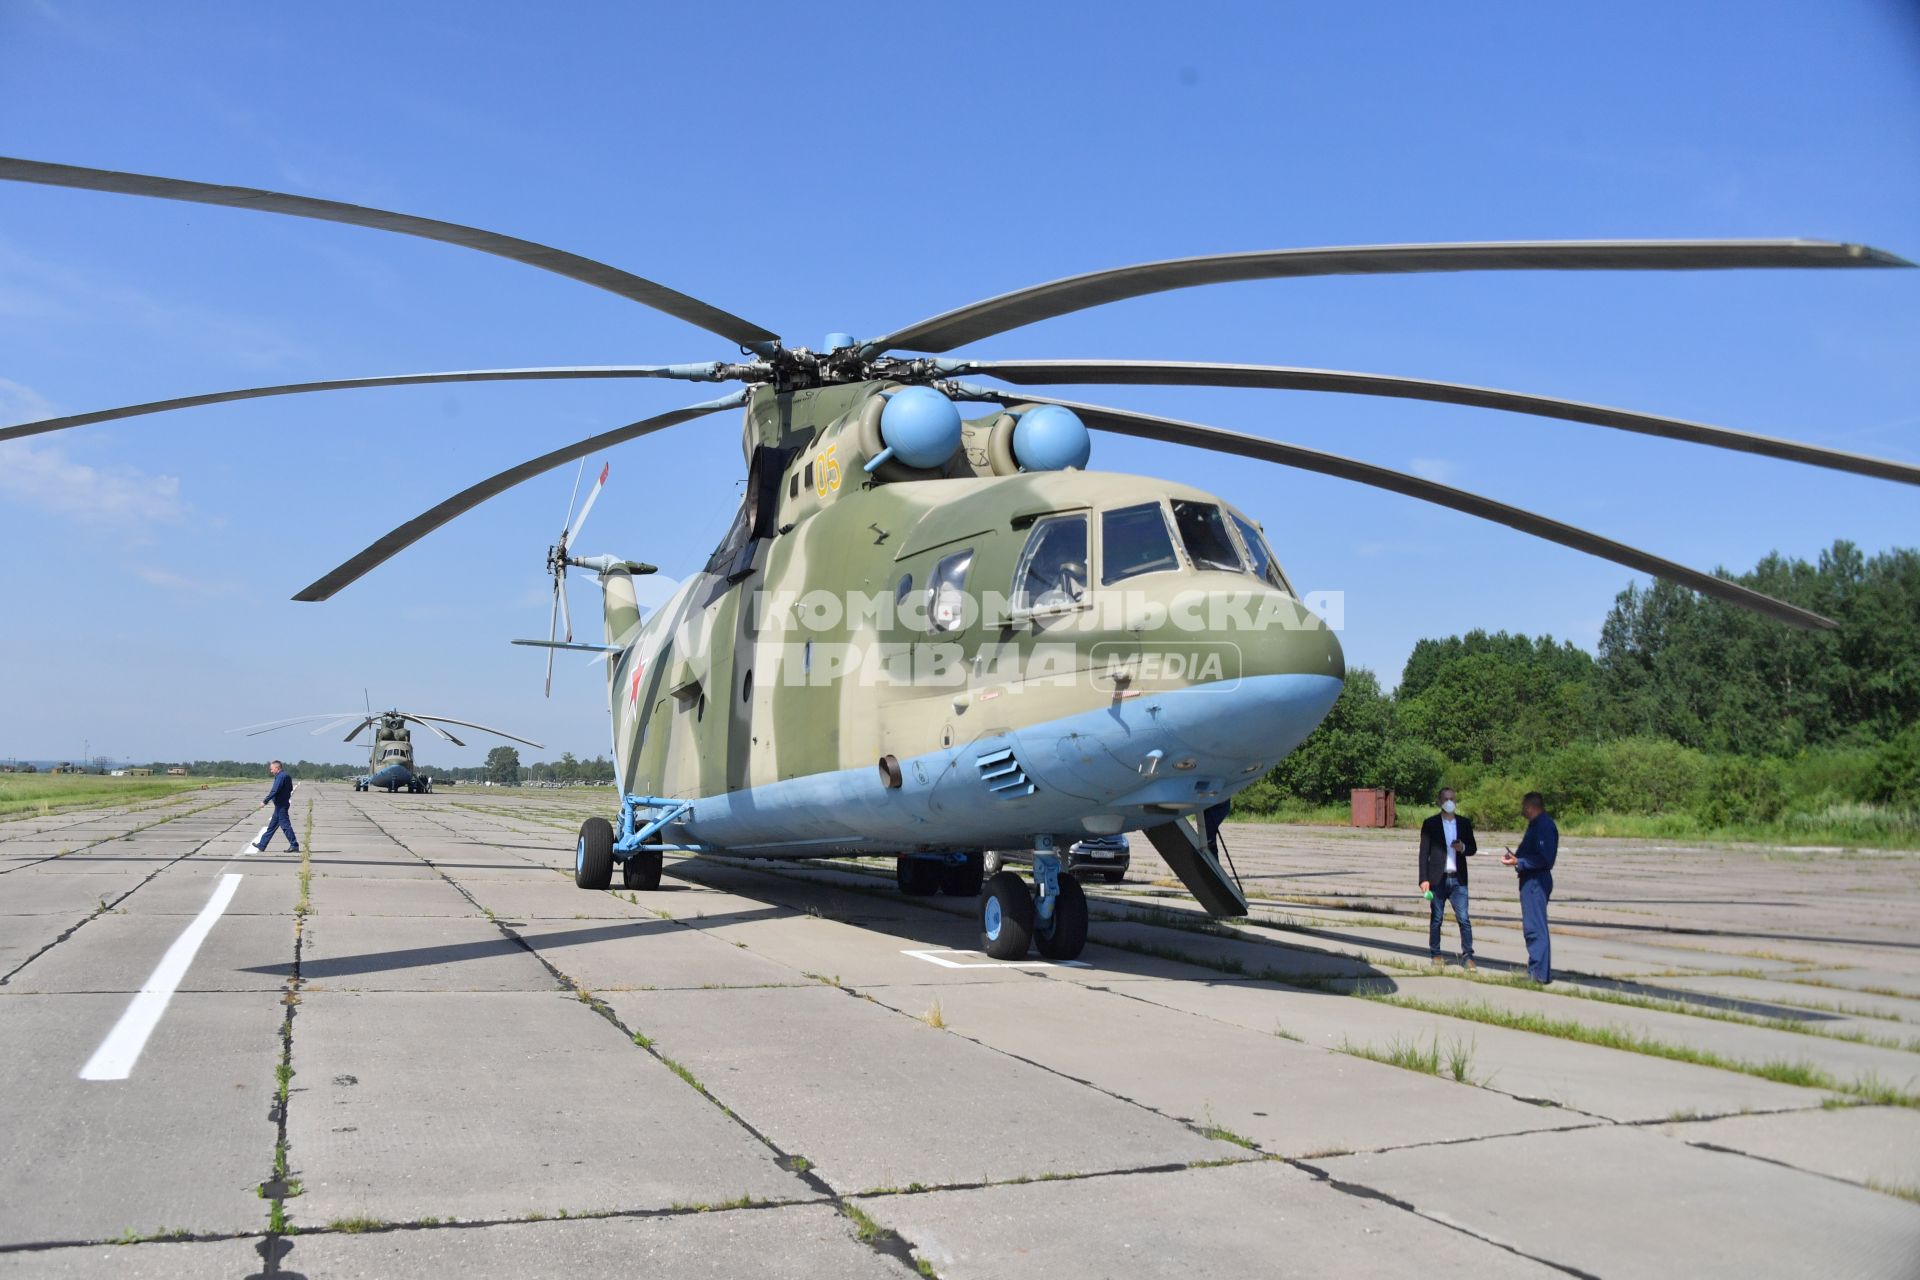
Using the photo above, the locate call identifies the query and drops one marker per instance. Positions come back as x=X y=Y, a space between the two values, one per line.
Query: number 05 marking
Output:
x=827 y=473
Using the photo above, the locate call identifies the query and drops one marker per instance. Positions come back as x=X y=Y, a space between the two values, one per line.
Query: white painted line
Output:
x=115 y=1057
x=937 y=955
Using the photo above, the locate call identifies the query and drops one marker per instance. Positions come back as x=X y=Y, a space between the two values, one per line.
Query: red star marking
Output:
x=633 y=690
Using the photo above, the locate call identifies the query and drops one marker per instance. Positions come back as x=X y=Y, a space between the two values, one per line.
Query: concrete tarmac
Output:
x=415 y=1048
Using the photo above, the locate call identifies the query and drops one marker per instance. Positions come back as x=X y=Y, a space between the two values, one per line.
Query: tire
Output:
x=1068 y=936
x=991 y=863
x=593 y=855
x=641 y=870
x=917 y=877
x=1006 y=917
x=963 y=879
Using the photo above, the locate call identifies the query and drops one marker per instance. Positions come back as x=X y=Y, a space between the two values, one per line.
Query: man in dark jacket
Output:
x=1446 y=842
x=279 y=795
x=1534 y=863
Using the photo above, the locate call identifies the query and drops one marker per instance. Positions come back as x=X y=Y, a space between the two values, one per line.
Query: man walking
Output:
x=1534 y=863
x=279 y=795
x=1446 y=842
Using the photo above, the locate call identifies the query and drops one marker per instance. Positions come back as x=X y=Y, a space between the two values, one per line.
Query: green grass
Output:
x=356 y=1224
x=1904 y=1190
x=1847 y=823
x=1780 y=1070
x=43 y=794
x=1633 y=1000
x=1454 y=1061
x=865 y=1229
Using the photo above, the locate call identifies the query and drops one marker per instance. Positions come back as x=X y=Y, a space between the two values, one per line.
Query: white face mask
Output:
x=1446 y=806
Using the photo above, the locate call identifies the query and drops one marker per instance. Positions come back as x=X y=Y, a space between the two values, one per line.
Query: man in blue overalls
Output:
x=279 y=795
x=1534 y=863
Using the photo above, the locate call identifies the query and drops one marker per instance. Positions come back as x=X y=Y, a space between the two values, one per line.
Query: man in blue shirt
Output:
x=1534 y=863
x=279 y=795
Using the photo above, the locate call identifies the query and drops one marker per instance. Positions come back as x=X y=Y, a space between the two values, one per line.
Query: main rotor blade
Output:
x=572 y=265
x=359 y=729
x=983 y=319
x=468 y=724
x=709 y=372
x=1150 y=427
x=1177 y=373
x=268 y=726
x=473 y=495
x=439 y=733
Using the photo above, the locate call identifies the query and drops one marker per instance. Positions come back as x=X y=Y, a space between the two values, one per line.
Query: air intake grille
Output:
x=1004 y=775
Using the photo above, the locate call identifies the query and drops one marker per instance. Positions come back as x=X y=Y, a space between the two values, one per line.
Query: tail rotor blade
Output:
x=566 y=611
x=593 y=496
x=553 y=624
x=578 y=473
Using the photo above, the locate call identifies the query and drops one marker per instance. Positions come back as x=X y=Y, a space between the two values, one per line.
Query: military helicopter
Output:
x=1026 y=652
x=390 y=767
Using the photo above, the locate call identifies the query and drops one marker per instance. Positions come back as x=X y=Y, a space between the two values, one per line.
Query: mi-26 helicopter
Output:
x=390 y=766
x=1020 y=655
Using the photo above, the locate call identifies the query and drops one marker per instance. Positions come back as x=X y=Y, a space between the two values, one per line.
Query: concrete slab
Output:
x=119 y=953
x=1621 y=1201
x=1877 y=1146
x=388 y=896
x=813 y=1067
x=1845 y=1060
x=1588 y=1079
x=421 y=953
x=800 y=1242
x=1291 y=1099
x=1259 y=1219
x=184 y=1142
x=149 y=1260
x=497 y=1105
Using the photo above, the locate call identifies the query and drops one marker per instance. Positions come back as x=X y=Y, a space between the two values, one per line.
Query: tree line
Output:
x=502 y=767
x=1691 y=717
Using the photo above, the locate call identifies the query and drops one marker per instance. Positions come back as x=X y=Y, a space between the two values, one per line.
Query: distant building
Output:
x=139 y=773
x=176 y=771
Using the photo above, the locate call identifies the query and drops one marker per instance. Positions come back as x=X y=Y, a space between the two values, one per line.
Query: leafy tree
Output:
x=503 y=765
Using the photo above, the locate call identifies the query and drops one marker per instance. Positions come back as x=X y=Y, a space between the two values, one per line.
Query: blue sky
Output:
x=814 y=172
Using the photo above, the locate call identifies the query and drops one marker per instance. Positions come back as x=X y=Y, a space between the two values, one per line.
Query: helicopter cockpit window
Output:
x=946 y=594
x=1053 y=569
x=1203 y=530
x=1264 y=565
x=1133 y=541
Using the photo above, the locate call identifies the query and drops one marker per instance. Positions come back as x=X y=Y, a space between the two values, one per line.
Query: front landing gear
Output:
x=593 y=855
x=1052 y=915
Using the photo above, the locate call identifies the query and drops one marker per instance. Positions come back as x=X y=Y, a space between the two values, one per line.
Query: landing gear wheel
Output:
x=917 y=877
x=962 y=879
x=641 y=870
x=1006 y=917
x=991 y=863
x=1068 y=936
x=593 y=856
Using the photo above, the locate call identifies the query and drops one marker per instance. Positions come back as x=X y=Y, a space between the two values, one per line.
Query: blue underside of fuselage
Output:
x=1091 y=773
x=390 y=778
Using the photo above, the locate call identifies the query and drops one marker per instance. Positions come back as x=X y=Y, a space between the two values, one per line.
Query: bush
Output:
x=1494 y=803
x=1896 y=770
x=1735 y=790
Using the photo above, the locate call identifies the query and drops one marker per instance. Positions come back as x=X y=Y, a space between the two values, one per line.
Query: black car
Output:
x=1108 y=856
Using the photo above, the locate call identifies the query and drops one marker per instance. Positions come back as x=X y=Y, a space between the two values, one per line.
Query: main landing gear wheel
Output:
x=962 y=879
x=641 y=870
x=593 y=856
x=1067 y=937
x=917 y=877
x=1006 y=917
x=991 y=863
